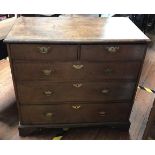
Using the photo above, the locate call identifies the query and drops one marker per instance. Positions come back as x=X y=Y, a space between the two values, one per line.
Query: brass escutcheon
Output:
x=48 y=93
x=112 y=49
x=44 y=50
x=105 y=91
x=77 y=85
x=76 y=106
x=47 y=71
x=78 y=66
x=102 y=113
x=49 y=114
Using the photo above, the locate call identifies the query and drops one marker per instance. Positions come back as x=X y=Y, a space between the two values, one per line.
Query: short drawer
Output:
x=112 y=52
x=71 y=71
x=75 y=113
x=43 y=52
x=38 y=92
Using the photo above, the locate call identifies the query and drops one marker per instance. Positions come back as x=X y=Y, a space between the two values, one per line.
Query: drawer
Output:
x=112 y=52
x=44 y=52
x=71 y=71
x=38 y=92
x=75 y=113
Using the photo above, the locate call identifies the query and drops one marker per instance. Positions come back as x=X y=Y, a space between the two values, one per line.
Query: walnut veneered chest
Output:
x=75 y=71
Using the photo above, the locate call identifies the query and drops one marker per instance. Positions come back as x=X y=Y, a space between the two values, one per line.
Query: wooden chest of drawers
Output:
x=75 y=71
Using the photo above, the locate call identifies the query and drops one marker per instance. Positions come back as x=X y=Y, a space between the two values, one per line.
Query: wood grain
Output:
x=65 y=71
x=8 y=116
x=80 y=34
x=54 y=52
x=9 y=121
x=32 y=93
x=87 y=113
x=75 y=30
x=125 y=52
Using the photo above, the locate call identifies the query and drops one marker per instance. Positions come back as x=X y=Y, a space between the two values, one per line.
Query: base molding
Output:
x=26 y=130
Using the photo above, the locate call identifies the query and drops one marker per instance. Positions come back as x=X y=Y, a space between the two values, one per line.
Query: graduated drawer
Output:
x=112 y=52
x=39 y=92
x=71 y=71
x=75 y=113
x=43 y=52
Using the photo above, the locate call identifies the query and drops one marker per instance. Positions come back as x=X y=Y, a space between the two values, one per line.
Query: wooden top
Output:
x=74 y=30
x=5 y=27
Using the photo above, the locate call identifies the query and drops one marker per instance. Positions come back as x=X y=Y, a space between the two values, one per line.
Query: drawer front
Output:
x=36 y=93
x=112 y=52
x=75 y=113
x=68 y=71
x=43 y=52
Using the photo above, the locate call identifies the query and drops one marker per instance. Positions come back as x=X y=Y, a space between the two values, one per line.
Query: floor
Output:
x=143 y=100
x=138 y=118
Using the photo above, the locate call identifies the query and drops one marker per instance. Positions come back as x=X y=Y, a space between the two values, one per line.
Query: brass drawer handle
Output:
x=102 y=113
x=44 y=50
x=76 y=106
x=49 y=114
x=112 y=49
x=47 y=72
x=105 y=91
x=48 y=93
x=77 y=85
x=108 y=70
x=78 y=66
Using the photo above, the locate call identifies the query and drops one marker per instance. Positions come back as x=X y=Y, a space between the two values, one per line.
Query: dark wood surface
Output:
x=63 y=29
x=81 y=92
x=49 y=93
x=90 y=113
x=33 y=52
x=124 y=52
x=65 y=71
x=60 y=52
x=140 y=111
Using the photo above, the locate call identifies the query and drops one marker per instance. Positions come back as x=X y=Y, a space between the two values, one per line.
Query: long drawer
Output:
x=75 y=113
x=39 y=92
x=71 y=71
x=112 y=52
x=44 y=52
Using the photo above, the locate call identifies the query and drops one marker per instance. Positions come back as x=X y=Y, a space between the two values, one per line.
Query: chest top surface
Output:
x=72 y=30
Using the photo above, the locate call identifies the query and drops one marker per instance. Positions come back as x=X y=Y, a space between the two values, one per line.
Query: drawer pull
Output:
x=47 y=72
x=76 y=106
x=78 y=66
x=44 y=50
x=77 y=85
x=108 y=70
x=49 y=114
x=102 y=113
x=112 y=49
x=48 y=93
x=105 y=91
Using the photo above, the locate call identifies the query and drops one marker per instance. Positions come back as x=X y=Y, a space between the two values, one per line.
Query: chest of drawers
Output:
x=71 y=72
